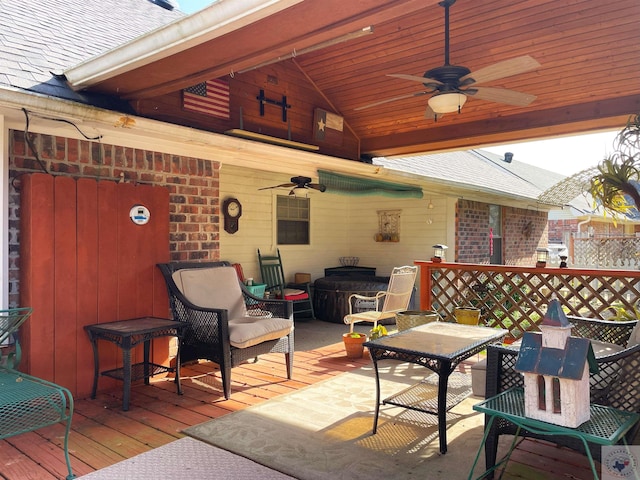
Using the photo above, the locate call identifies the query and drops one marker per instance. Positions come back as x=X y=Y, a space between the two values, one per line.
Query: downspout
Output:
x=572 y=246
x=584 y=222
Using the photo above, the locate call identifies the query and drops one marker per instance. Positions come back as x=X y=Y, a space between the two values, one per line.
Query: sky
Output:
x=567 y=155
x=192 y=6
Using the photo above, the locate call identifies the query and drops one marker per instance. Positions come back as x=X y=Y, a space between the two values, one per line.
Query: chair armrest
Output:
x=300 y=286
x=501 y=373
x=356 y=296
x=617 y=383
x=277 y=307
x=610 y=331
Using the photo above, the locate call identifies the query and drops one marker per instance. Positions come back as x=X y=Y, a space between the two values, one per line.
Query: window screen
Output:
x=293 y=220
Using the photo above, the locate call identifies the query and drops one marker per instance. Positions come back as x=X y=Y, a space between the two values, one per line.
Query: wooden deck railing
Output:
x=515 y=298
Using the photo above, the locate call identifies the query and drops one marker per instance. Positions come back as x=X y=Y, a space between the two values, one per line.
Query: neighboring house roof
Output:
x=567 y=363
x=477 y=168
x=36 y=45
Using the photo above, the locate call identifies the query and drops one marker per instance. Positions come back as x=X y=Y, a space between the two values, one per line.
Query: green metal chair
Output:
x=28 y=403
x=273 y=276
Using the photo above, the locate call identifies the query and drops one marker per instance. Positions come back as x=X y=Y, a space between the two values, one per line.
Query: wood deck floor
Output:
x=102 y=434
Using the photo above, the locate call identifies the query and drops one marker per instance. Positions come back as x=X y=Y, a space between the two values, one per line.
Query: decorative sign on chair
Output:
x=556 y=370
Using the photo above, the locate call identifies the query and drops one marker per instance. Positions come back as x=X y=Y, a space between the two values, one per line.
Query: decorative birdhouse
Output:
x=556 y=370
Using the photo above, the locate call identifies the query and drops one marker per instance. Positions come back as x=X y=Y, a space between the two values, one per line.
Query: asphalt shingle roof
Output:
x=477 y=168
x=35 y=43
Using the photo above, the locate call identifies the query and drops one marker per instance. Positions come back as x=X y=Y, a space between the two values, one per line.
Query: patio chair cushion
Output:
x=248 y=331
x=292 y=292
x=216 y=287
x=245 y=330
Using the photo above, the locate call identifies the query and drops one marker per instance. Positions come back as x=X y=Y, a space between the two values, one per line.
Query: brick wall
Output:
x=522 y=232
x=193 y=186
x=560 y=231
x=472 y=232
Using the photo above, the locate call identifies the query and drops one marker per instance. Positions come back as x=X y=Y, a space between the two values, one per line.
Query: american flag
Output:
x=210 y=97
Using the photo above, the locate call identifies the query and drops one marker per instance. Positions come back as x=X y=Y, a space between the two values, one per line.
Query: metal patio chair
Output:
x=385 y=304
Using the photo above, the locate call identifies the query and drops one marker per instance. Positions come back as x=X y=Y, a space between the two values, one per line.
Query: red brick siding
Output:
x=193 y=187
x=472 y=232
x=523 y=231
x=561 y=229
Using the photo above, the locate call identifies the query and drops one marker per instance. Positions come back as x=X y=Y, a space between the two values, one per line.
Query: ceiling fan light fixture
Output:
x=299 y=192
x=447 y=102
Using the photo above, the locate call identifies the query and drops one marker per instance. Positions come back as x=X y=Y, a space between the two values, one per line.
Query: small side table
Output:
x=607 y=425
x=126 y=334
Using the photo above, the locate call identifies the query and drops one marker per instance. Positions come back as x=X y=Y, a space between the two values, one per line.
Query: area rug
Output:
x=186 y=458
x=324 y=431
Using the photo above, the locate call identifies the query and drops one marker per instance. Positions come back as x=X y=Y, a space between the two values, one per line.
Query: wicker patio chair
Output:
x=228 y=325
x=617 y=383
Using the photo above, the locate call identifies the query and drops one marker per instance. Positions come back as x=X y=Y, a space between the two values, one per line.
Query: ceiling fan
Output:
x=298 y=183
x=451 y=84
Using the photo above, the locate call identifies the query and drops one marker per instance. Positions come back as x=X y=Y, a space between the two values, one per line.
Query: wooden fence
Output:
x=607 y=252
x=516 y=298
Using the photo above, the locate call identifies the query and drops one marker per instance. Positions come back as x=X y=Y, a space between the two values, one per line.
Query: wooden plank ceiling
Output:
x=588 y=78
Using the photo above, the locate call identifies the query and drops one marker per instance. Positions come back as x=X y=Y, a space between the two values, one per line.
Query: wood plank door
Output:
x=84 y=261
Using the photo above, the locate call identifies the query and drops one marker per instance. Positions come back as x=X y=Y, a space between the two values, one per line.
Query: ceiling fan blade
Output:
x=317 y=186
x=392 y=99
x=415 y=78
x=506 y=68
x=503 y=95
x=279 y=186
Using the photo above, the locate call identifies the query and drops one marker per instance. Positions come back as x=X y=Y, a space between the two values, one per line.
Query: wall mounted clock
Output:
x=232 y=211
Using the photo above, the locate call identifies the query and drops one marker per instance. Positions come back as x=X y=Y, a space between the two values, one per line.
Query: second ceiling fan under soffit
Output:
x=298 y=184
x=451 y=84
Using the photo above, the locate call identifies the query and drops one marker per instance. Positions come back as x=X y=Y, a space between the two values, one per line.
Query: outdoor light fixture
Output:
x=563 y=261
x=447 y=102
x=438 y=253
x=299 y=192
x=542 y=257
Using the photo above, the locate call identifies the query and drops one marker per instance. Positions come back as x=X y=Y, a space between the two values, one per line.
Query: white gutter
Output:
x=212 y=22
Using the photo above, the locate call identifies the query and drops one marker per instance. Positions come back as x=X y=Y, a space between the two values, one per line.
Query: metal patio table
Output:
x=607 y=426
x=438 y=346
x=126 y=334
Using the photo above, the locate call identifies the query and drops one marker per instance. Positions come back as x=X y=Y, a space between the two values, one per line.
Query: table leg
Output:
x=147 y=347
x=377 y=413
x=96 y=365
x=126 y=372
x=443 y=381
x=487 y=428
x=177 y=379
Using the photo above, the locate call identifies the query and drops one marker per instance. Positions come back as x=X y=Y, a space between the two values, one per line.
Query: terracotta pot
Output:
x=354 y=345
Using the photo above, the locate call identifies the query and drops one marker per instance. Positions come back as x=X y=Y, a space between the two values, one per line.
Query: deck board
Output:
x=102 y=434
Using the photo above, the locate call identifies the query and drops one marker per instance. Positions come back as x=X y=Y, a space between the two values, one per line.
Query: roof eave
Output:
x=212 y=22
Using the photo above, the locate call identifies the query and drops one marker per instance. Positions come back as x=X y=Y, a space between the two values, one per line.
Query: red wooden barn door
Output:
x=83 y=261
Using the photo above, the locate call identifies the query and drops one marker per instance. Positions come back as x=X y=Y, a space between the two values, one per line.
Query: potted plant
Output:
x=467 y=315
x=377 y=332
x=354 y=344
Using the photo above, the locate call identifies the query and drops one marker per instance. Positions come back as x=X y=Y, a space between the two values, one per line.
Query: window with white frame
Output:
x=293 y=218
